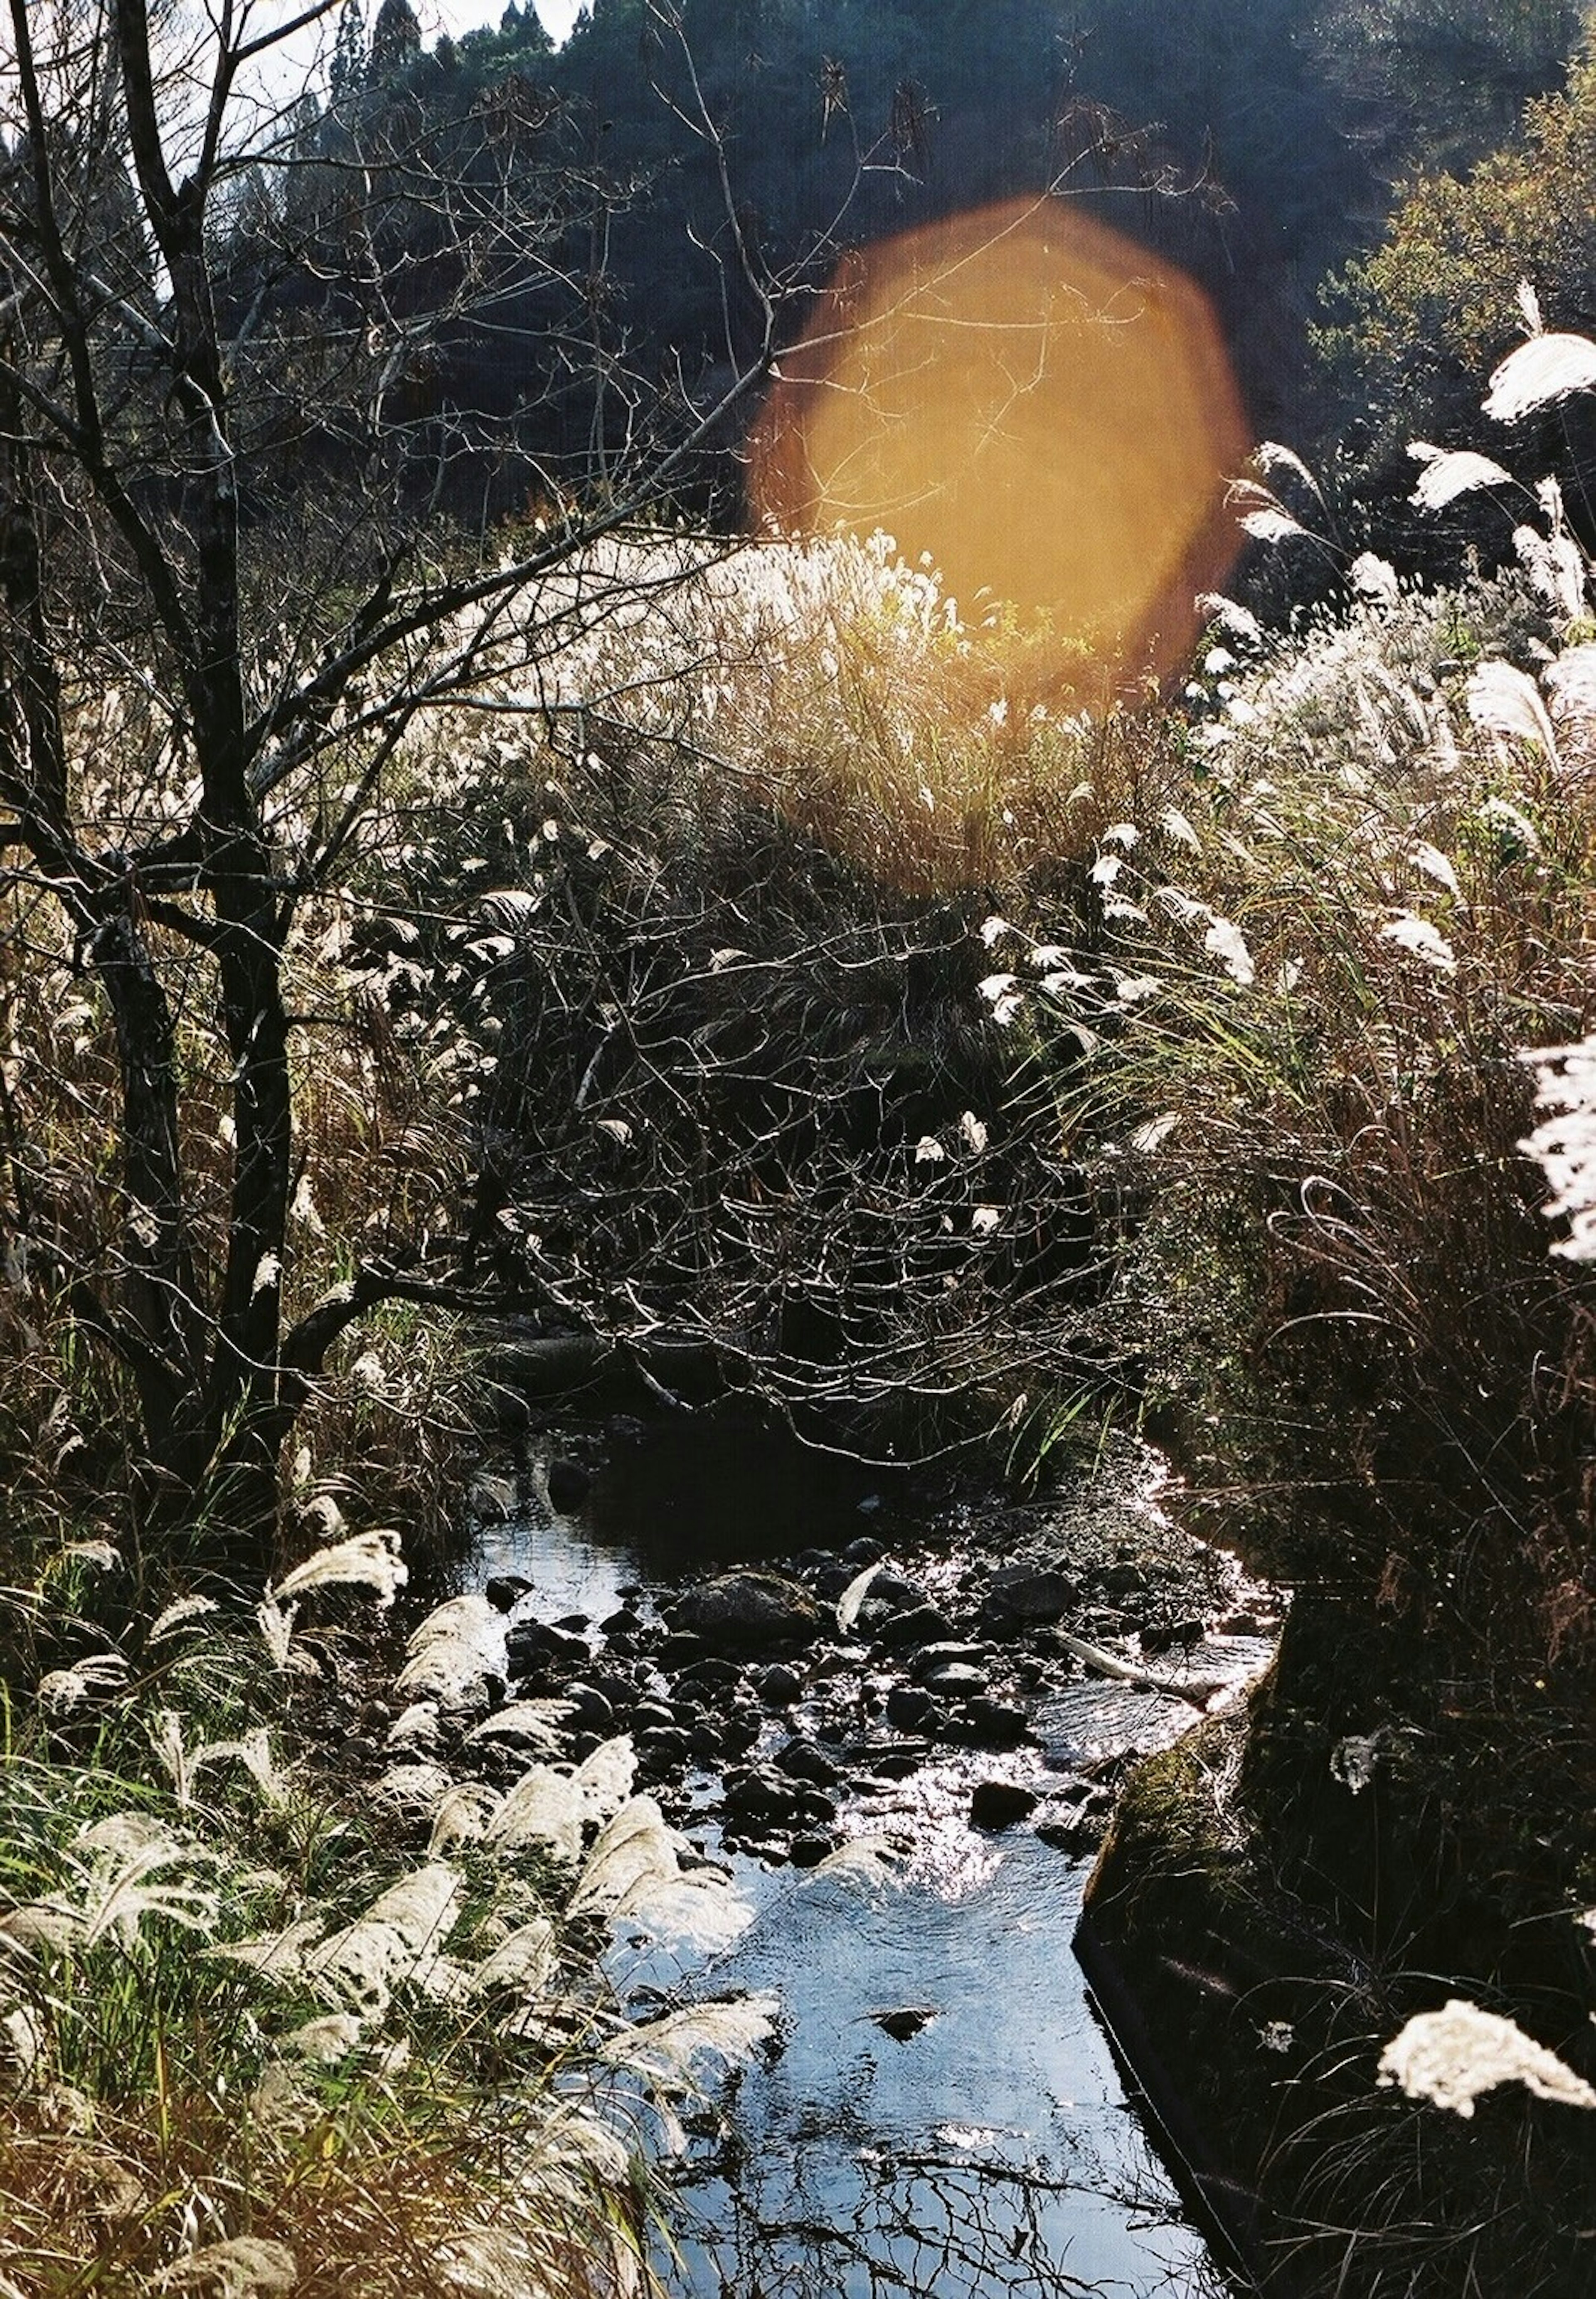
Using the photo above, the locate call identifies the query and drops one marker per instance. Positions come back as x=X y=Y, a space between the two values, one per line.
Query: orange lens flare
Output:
x=1041 y=405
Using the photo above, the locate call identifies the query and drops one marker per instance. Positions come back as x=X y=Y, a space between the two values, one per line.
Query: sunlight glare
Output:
x=1042 y=406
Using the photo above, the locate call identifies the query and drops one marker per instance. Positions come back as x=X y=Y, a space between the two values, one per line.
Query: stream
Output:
x=940 y=2115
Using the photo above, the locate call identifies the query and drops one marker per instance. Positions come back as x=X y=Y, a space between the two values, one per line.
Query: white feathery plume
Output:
x=522 y=1962
x=275 y=1955
x=63 y=1689
x=366 y=1560
x=1446 y=475
x=1546 y=369
x=668 y=2048
x=1504 y=699
x=462 y=1817
x=544 y=1808
x=418 y=1787
x=1420 y=940
x=121 y=1897
x=454 y=1653
x=399 y=1938
x=325 y=2040
x=417 y=1728
x=1453 y=2055
x=179 y=1613
x=244 y=2266
x=532 y=1720
x=1564 y=1144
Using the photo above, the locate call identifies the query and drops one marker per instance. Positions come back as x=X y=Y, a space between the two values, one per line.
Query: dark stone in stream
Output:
x=505 y=1590
x=740 y=1728
x=900 y=1763
x=998 y=1723
x=709 y=1676
x=622 y=1623
x=926 y=1662
x=708 y=1745
x=653 y=1716
x=830 y=1580
x=780 y=1686
x=679 y=1648
x=535 y=1644
x=909 y=1705
x=809 y=1851
x=802 y=1760
x=1025 y=1595
x=663 y=1749
x=866 y=1550
x=575 y=1621
x=589 y=1708
x=1178 y=1633
x=1080 y=1835
x=1124 y=1579
x=1000 y=1804
x=923 y=1624
x=760 y=1798
x=956 y=1681
x=749 y=1611
x=583 y=1744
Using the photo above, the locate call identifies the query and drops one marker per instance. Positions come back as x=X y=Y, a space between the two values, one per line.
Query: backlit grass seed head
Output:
x=1451 y=2057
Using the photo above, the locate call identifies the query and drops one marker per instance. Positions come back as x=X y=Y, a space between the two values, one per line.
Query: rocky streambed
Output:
x=892 y=1719
x=783 y=1699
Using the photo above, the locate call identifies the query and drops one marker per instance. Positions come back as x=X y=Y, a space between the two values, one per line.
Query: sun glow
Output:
x=1041 y=405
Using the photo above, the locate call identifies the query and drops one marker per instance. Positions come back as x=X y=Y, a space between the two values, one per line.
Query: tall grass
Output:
x=271 y=2022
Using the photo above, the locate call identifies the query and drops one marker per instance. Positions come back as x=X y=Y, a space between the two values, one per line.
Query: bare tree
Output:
x=239 y=556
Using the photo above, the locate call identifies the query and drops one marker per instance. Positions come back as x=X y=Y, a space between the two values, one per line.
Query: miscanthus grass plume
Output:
x=263 y=2031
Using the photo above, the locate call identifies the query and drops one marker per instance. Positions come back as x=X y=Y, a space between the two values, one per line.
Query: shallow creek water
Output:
x=993 y=2151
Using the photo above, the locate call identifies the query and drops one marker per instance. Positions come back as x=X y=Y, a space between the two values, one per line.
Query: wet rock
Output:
x=622 y=1623
x=780 y=1686
x=814 y=1809
x=809 y=1851
x=1000 y=1804
x=907 y=1705
x=538 y=1643
x=1028 y=1595
x=921 y=1624
x=760 y=1798
x=809 y=1561
x=741 y=1728
x=899 y=1764
x=583 y=1744
x=661 y=1749
x=590 y=1710
x=903 y=2021
x=621 y=1689
x=800 y=1760
x=1084 y=1832
x=830 y=1580
x=707 y=1743
x=866 y=1550
x=926 y=1662
x=568 y=1484
x=574 y=1624
x=653 y=1716
x=505 y=1590
x=680 y=1648
x=749 y=1611
x=710 y=1675
x=1124 y=1579
x=997 y=1723
x=956 y=1681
